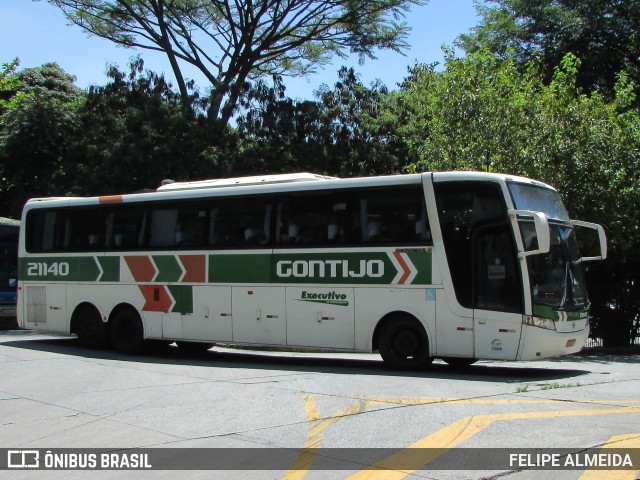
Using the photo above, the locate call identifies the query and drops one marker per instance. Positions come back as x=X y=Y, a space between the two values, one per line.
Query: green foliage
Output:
x=279 y=134
x=361 y=129
x=10 y=84
x=34 y=136
x=345 y=132
x=603 y=34
x=133 y=133
x=481 y=113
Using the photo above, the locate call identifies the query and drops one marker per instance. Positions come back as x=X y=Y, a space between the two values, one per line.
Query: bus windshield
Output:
x=557 y=277
x=538 y=199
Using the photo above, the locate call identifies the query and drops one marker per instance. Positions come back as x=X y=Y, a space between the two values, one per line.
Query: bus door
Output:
x=482 y=260
x=497 y=292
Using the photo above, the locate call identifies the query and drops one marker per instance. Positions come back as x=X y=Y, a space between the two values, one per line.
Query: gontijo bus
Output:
x=457 y=266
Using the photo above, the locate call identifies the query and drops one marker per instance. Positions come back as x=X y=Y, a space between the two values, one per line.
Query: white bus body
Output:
x=458 y=266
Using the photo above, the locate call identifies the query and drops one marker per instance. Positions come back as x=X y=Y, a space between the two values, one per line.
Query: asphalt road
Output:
x=55 y=395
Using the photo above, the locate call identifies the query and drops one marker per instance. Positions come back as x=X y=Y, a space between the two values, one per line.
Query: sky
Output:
x=37 y=33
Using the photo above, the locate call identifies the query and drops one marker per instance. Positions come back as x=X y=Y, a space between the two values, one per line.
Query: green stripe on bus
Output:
x=240 y=268
x=183 y=296
x=423 y=263
x=330 y=268
x=70 y=269
x=110 y=268
x=169 y=270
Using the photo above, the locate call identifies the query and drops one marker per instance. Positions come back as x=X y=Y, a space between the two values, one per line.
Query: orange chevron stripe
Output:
x=405 y=268
x=141 y=268
x=195 y=267
x=156 y=298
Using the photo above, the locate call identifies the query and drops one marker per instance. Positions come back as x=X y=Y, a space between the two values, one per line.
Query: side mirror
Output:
x=541 y=232
x=602 y=238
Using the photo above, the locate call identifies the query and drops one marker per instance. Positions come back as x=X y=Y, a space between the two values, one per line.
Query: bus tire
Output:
x=92 y=332
x=127 y=335
x=404 y=343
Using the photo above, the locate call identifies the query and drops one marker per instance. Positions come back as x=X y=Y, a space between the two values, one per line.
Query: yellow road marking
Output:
x=617 y=441
x=404 y=400
x=314 y=437
x=424 y=451
x=407 y=461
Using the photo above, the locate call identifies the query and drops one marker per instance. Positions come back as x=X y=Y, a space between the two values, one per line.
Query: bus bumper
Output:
x=538 y=343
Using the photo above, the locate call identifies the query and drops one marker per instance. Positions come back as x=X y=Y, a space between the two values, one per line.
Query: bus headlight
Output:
x=539 y=322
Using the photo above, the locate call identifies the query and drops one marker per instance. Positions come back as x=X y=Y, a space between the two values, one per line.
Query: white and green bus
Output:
x=458 y=266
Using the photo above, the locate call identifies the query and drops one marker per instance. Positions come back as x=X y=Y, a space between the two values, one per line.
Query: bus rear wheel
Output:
x=404 y=343
x=127 y=335
x=89 y=327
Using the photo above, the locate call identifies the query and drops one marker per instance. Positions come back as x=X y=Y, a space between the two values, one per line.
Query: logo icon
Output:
x=23 y=459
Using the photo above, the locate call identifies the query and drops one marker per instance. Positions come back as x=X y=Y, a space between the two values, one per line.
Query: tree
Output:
x=232 y=42
x=603 y=34
x=346 y=132
x=10 y=85
x=482 y=113
x=34 y=135
x=280 y=134
x=363 y=133
x=132 y=133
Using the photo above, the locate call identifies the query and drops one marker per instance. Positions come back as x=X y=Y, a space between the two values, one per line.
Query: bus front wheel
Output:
x=404 y=343
x=127 y=335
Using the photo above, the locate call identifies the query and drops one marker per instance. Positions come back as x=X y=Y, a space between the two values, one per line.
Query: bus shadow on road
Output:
x=325 y=362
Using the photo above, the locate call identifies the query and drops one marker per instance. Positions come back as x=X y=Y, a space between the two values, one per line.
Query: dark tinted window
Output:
x=313 y=219
x=240 y=222
x=479 y=245
x=390 y=215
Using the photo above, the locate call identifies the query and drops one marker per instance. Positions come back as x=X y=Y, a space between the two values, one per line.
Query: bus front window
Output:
x=557 y=279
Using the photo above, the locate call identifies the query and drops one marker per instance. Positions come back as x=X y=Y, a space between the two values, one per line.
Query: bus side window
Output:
x=191 y=227
x=242 y=222
x=163 y=228
x=390 y=216
x=83 y=229
x=126 y=228
x=311 y=219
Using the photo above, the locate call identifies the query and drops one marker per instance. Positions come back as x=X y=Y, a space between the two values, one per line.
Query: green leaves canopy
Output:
x=482 y=113
x=603 y=34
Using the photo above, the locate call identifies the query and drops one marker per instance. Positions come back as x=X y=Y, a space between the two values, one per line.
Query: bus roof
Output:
x=268 y=184
x=170 y=185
